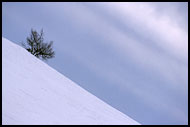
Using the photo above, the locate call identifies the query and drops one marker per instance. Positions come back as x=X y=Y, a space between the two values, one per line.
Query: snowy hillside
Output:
x=34 y=93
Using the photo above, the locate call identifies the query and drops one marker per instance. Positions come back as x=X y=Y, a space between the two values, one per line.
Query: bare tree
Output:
x=36 y=46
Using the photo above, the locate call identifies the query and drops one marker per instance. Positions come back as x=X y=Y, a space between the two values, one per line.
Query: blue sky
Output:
x=134 y=56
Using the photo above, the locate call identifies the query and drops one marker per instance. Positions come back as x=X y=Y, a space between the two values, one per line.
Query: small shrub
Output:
x=35 y=45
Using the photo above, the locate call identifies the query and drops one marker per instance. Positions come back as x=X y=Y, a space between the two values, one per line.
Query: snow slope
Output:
x=35 y=93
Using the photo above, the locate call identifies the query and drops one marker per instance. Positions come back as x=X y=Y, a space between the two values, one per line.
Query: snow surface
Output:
x=35 y=93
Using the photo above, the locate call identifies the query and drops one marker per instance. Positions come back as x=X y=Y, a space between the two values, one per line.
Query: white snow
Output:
x=35 y=93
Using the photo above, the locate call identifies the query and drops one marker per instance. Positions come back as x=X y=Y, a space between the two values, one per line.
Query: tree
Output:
x=36 y=46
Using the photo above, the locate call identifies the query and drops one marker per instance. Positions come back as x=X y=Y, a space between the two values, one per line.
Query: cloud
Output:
x=142 y=54
x=148 y=22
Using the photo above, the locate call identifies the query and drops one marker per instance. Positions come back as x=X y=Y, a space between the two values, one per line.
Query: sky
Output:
x=134 y=56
